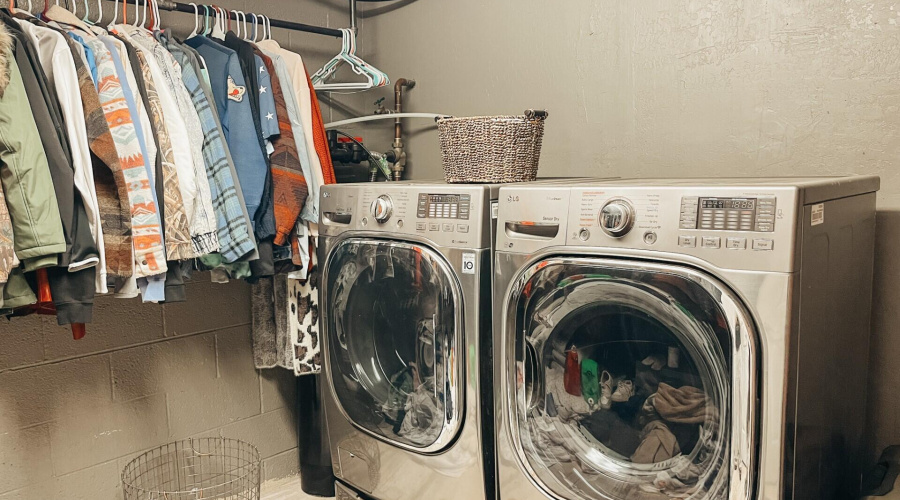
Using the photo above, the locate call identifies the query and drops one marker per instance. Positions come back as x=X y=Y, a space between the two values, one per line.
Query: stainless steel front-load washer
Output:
x=405 y=311
x=692 y=339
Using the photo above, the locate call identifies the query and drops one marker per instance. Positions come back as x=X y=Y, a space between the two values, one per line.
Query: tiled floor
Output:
x=286 y=489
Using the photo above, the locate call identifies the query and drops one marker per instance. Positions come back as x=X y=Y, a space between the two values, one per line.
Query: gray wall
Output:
x=677 y=88
x=72 y=413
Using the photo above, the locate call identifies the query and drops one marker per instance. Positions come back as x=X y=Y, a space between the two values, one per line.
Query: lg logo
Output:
x=511 y=198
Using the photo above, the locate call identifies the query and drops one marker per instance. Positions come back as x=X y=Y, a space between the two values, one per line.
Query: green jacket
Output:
x=24 y=172
x=25 y=176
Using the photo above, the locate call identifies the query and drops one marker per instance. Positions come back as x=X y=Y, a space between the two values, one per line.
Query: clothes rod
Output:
x=277 y=23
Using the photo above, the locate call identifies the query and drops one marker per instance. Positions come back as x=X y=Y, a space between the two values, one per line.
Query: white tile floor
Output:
x=286 y=489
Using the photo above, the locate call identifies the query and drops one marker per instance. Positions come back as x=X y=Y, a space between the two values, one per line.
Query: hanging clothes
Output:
x=308 y=213
x=169 y=129
x=200 y=210
x=233 y=106
x=304 y=97
x=59 y=69
x=232 y=228
x=289 y=184
x=72 y=292
x=109 y=182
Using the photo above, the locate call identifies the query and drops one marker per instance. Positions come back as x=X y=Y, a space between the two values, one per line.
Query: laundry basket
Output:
x=491 y=148
x=195 y=469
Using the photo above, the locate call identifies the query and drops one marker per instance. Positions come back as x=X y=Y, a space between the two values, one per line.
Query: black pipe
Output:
x=319 y=30
x=316 y=474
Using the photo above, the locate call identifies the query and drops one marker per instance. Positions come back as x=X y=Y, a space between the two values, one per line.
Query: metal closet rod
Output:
x=277 y=23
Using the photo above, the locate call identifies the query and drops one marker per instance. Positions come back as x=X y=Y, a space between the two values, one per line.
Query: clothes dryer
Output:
x=694 y=339
x=406 y=314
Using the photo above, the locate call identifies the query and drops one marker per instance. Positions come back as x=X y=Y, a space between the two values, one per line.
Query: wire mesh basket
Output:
x=195 y=469
x=491 y=148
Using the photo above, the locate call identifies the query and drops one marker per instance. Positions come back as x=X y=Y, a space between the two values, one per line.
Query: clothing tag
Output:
x=468 y=263
x=818 y=214
x=235 y=92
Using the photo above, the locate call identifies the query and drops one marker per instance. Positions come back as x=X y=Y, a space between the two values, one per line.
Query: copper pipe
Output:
x=398 y=103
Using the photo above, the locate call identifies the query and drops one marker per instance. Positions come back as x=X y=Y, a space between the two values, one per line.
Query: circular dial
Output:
x=382 y=207
x=617 y=217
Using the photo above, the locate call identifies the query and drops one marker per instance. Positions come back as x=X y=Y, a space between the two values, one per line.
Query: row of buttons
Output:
x=730 y=243
x=445 y=227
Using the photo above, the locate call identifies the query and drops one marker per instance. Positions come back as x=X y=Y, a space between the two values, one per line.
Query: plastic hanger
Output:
x=196 y=20
x=157 y=19
x=144 y=15
x=374 y=76
x=115 y=15
x=268 y=29
x=217 y=31
x=255 y=25
x=262 y=33
x=205 y=21
x=87 y=11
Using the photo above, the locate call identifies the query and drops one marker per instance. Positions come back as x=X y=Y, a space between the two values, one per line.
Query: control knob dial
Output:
x=617 y=217
x=382 y=208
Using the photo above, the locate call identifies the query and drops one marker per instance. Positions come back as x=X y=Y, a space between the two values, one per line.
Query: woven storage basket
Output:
x=491 y=148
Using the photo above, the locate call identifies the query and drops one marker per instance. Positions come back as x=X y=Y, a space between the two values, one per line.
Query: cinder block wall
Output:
x=72 y=414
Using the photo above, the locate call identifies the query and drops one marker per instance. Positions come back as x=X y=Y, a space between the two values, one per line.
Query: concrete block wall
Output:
x=73 y=413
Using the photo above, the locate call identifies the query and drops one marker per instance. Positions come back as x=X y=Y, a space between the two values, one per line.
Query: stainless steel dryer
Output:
x=405 y=309
x=700 y=339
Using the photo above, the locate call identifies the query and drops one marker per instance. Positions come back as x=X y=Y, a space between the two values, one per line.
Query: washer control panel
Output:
x=728 y=214
x=745 y=227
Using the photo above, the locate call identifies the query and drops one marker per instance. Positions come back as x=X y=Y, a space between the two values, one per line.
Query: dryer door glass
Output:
x=392 y=336
x=623 y=380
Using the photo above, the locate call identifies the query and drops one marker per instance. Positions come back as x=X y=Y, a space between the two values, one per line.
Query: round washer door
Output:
x=393 y=341
x=632 y=380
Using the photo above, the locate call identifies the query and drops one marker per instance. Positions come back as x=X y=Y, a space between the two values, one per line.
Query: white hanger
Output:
x=115 y=15
x=196 y=20
x=262 y=34
x=237 y=23
x=255 y=25
x=374 y=76
x=218 y=31
x=268 y=36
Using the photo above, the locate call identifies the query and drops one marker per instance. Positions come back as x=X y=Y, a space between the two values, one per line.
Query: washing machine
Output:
x=405 y=310
x=692 y=339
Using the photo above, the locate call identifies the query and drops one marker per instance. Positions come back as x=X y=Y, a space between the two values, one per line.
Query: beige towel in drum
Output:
x=687 y=405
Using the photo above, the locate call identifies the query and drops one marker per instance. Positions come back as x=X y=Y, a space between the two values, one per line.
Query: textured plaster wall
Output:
x=73 y=413
x=677 y=88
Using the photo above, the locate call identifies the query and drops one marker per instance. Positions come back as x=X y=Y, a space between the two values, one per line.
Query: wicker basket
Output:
x=491 y=148
x=194 y=469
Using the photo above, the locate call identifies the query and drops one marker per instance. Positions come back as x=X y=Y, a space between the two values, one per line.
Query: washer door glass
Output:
x=623 y=385
x=392 y=341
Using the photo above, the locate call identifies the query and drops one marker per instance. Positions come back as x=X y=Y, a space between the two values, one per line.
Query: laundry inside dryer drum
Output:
x=393 y=323
x=622 y=383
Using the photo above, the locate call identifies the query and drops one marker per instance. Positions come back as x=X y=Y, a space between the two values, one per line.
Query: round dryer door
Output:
x=632 y=380
x=393 y=333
